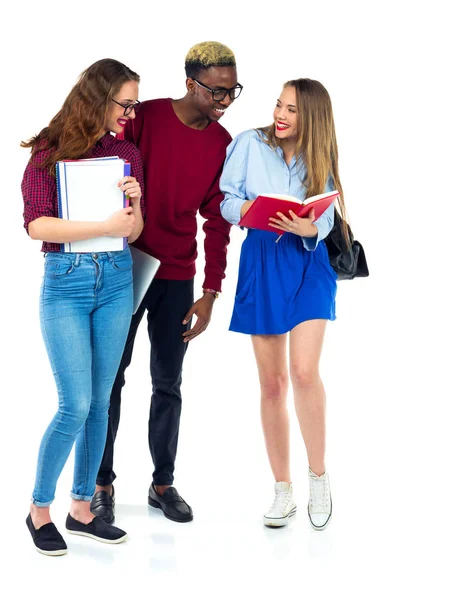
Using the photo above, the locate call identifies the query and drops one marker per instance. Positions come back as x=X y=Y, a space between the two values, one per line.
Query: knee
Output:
x=303 y=377
x=75 y=416
x=99 y=408
x=274 y=387
x=167 y=384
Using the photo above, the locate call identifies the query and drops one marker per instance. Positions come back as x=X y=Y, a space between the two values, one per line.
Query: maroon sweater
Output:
x=182 y=168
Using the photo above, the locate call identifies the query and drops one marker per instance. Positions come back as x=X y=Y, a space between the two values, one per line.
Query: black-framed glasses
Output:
x=219 y=94
x=128 y=108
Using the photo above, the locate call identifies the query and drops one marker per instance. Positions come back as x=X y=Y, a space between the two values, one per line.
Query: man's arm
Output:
x=216 y=230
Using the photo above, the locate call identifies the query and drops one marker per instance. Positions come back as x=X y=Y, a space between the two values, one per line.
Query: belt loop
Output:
x=77 y=259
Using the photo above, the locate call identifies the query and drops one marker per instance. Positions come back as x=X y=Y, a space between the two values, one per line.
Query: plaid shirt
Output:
x=39 y=188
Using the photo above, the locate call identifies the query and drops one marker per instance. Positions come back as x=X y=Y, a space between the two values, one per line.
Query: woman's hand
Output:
x=297 y=225
x=121 y=223
x=131 y=187
x=245 y=206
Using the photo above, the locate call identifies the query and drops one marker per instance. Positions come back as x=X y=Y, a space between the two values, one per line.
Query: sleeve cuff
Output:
x=212 y=282
x=324 y=225
x=230 y=209
x=310 y=243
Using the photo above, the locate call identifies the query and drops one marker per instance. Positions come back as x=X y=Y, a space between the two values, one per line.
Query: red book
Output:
x=266 y=206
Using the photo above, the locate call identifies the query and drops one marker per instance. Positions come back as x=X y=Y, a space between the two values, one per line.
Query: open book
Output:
x=267 y=205
x=87 y=190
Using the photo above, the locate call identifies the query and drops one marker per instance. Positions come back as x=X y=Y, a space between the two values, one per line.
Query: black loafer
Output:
x=97 y=529
x=171 y=503
x=102 y=505
x=47 y=539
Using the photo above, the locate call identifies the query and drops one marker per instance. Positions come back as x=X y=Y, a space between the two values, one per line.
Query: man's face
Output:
x=218 y=79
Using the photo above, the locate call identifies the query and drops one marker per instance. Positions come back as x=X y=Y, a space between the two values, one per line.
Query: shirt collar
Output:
x=277 y=150
x=105 y=141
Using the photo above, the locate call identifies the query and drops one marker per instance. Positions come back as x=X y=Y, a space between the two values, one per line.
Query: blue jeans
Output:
x=85 y=312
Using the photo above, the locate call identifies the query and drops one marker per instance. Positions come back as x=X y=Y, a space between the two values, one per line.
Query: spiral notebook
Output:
x=87 y=190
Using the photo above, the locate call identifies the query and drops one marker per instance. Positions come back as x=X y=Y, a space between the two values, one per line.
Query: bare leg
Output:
x=306 y=341
x=270 y=352
x=81 y=511
x=40 y=515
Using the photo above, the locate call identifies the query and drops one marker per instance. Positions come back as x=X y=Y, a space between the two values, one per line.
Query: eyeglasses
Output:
x=128 y=108
x=219 y=94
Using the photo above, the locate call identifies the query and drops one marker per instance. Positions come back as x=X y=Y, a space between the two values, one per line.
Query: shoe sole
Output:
x=281 y=522
x=52 y=552
x=99 y=539
x=155 y=504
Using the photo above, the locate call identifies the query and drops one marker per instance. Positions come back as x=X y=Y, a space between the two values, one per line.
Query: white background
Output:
x=389 y=361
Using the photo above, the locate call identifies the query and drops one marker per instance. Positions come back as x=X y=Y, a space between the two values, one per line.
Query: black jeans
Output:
x=166 y=302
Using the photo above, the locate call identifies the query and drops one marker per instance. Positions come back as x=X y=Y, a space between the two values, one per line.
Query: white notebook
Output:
x=87 y=191
x=144 y=269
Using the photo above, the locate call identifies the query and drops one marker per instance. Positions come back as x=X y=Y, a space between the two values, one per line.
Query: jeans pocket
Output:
x=122 y=261
x=58 y=266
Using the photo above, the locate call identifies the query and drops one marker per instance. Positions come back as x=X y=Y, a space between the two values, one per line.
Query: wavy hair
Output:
x=81 y=121
x=316 y=140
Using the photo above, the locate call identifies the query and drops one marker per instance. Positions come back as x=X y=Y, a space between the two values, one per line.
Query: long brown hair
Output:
x=81 y=120
x=316 y=140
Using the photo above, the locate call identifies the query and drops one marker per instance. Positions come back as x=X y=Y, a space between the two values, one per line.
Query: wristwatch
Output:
x=214 y=292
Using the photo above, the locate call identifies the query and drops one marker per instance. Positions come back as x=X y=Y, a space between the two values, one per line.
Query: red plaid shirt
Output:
x=39 y=188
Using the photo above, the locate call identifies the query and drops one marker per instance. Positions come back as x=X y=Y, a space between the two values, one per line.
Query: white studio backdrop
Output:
x=389 y=360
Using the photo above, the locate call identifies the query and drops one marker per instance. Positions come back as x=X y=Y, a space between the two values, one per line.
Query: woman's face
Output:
x=285 y=115
x=116 y=119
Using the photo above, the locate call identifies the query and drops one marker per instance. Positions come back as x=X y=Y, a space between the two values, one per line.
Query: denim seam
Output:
x=86 y=449
x=39 y=478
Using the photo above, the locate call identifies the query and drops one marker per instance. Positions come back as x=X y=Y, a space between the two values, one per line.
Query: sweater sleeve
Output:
x=216 y=231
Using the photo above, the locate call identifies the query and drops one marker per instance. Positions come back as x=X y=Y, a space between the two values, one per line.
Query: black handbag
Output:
x=347 y=261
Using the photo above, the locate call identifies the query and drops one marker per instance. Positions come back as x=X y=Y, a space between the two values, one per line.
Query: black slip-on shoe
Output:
x=47 y=539
x=97 y=529
x=171 y=503
x=102 y=505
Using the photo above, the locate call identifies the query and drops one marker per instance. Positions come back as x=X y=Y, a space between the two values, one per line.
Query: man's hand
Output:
x=203 y=309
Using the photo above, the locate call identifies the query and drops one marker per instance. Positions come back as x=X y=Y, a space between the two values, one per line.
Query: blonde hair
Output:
x=316 y=139
x=204 y=55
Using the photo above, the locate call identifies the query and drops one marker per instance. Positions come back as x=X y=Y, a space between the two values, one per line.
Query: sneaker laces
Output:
x=281 y=500
x=319 y=494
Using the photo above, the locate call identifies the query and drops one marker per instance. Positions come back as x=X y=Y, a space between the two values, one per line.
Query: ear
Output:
x=191 y=85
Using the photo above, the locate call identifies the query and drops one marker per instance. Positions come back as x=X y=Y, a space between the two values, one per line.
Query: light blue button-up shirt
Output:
x=253 y=168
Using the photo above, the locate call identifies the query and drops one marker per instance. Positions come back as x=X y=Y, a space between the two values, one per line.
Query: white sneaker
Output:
x=283 y=506
x=320 y=503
